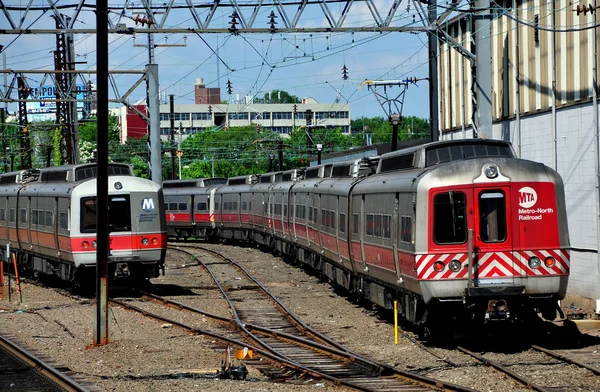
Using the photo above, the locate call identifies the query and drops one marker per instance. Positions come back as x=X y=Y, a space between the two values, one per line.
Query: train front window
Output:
x=492 y=216
x=119 y=215
x=450 y=220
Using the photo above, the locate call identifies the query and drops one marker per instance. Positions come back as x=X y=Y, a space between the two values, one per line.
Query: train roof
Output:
x=435 y=153
x=240 y=180
x=195 y=183
x=80 y=172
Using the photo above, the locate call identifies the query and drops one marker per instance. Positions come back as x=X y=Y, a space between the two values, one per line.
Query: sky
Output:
x=305 y=65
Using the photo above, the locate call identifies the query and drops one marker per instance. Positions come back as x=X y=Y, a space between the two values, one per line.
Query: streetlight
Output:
x=319 y=150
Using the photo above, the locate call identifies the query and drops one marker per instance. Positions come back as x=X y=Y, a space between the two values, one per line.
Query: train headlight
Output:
x=549 y=261
x=154 y=241
x=454 y=265
x=94 y=244
x=491 y=171
x=118 y=185
x=145 y=241
x=534 y=262
x=438 y=266
x=85 y=244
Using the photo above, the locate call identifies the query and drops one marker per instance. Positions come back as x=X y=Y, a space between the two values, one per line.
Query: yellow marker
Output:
x=243 y=353
x=395 y=322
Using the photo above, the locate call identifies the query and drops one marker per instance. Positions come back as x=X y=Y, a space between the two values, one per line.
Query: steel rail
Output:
x=278 y=334
x=295 y=319
x=59 y=379
x=504 y=370
x=420 y=381
x=566 y=359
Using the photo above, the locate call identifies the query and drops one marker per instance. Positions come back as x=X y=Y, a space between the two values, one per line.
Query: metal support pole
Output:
x=280 y=154
x=483 y=71
x=179 y=152
x=271 y=158
x=101 y=335
x=3 y=135
x=433 y=74
x=172 y=133
x=154 y=116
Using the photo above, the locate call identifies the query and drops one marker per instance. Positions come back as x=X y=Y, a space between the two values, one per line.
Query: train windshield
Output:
x=450 y=221
x=492 y=216
x=119 y=216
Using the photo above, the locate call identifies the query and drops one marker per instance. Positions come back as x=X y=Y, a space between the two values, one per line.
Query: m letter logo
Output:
x=527 y=197
x=148 y=204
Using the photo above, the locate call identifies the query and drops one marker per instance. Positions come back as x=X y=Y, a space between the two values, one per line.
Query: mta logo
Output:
x=148 y=204
x=527 y=197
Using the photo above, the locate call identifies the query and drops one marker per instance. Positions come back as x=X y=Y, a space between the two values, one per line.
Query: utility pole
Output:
x=172 y=134
x=179 y=152
x=101 y=335
x=308 y=115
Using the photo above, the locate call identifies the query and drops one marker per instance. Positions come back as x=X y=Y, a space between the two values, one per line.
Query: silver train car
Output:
x=448 y=230
x=48 y=218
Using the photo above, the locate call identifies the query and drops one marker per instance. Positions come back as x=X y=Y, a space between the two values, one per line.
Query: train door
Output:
x=492 y=240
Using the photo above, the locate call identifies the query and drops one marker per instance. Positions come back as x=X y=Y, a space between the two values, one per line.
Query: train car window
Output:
x=332 y=220
x=355 y=224
x=182 y=207
x=2 y=214
x=202 y=206
x=34 y=217
x=342 y=222
x=378 y=220
x=323 y=223
x=119 y=215
x=235 y=205
x=449 y=219
x=370 y=224
x=244 y=206
x=172 y=206
x=387 y=226
x=23 y=215
x=88 y=215
x=310 y=213
x=49 y=218
x=217 y=206
x=250 y=206
x=285 y=210
x=11 y=215
x=63 y=220
x=406 y=229
x=492 y=216
x=166 y=206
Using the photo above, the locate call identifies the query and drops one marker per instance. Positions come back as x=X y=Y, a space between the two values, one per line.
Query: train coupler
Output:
x=497 y=310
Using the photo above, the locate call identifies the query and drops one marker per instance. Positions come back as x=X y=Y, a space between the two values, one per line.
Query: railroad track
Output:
x=268 y=328
x=521 y=367
x=20 y=370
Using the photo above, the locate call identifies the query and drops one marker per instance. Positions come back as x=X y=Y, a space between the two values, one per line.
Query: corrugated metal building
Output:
x=543 y=86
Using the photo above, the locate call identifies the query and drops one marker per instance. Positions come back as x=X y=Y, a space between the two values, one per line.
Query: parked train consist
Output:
x=452 y=228
x=48 y=217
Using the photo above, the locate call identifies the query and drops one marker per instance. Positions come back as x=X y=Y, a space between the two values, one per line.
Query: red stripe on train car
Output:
x=125 y=242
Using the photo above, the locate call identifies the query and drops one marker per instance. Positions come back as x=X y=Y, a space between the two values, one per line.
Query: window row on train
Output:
x=38 y=217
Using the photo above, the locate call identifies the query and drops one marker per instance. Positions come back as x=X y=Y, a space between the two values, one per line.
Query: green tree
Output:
x=280 y=96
